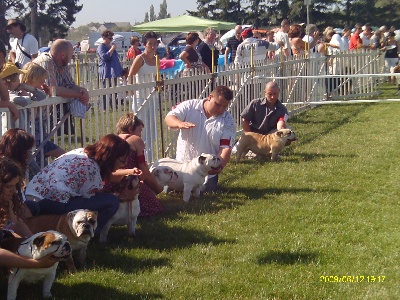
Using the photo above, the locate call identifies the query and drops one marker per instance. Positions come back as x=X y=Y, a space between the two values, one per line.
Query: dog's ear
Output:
x=71 y=215
x=39 y=241
x=279 y=133
x=93 y=218
x=202 y=159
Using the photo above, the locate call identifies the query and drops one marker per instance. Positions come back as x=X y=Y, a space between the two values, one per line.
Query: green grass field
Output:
x=320 y=224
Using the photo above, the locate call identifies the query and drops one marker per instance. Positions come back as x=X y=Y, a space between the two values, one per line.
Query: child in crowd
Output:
x=35 y=76
x=20 y=93
x=11 y=206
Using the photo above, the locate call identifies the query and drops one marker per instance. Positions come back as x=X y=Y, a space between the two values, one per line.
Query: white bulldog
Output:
x=192 y=174
x=38 y=246
x=127 y=212
x=164 y=175
x=78 y=226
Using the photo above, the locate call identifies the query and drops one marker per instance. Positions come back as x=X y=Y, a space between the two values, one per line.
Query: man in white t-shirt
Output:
x=366 y=35
x=252 y=45
x=282 y=35
x=24 y=46
x=205 y=126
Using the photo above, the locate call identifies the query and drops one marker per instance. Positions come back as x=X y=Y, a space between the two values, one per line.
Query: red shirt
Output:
x=355 y=41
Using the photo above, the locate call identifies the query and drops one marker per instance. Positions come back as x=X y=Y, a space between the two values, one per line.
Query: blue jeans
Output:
x=105 y=204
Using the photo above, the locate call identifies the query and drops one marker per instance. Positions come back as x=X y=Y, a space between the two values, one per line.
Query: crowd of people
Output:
x=88 y=178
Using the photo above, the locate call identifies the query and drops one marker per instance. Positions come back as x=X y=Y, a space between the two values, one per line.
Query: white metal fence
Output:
x=302 y=81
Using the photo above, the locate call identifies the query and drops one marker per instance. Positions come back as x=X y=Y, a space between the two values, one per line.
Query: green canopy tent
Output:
x=182 y=23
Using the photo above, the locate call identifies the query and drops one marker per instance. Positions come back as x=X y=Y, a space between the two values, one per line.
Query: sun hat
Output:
x=10 y=69
x=15 y=22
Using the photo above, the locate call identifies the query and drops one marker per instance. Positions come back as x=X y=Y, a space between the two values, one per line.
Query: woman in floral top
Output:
x=75 y=180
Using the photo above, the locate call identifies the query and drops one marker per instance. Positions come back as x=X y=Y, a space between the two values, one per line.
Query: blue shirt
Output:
x=109 y=65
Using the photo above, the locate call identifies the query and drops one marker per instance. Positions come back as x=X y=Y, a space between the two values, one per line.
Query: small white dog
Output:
x=38 y=246
x=192 y=174
x=127 y=212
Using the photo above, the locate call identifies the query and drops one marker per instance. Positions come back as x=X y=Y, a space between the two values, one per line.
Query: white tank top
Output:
x=146 y=72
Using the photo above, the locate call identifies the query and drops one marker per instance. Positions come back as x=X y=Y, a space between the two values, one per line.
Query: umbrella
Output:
x=182 y=23
x=116 y=38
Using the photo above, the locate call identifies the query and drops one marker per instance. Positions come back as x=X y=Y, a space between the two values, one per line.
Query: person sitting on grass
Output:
x=11 y=205
x=75 y=180
x=16 y=144
x=129 y=127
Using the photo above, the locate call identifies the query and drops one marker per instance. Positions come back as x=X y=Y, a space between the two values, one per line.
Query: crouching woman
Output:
x=75 y=180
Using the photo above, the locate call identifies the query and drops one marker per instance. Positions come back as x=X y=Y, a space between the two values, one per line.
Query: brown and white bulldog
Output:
x=38 y=246
x=264 y=145
x=78 y=226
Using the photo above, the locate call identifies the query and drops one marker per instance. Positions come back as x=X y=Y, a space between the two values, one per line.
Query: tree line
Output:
x=337 y=13
x=56 y=17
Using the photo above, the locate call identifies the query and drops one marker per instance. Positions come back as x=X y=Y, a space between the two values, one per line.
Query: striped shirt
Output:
x=58 y=75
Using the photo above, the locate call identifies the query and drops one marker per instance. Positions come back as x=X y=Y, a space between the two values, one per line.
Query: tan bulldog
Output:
x=264 y=145
x=78 y=226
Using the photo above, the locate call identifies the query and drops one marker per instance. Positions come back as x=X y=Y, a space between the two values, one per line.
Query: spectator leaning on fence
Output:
x=282 y=35
x=56 y=63
x=355 y=39
x=232 y=44
x=346 y=37
x=35 y=77
x=366 y=34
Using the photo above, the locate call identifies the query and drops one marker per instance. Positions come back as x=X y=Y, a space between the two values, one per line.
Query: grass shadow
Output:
x=293 y=156
x=158 y=235
x=206 y=203
x=287 y=258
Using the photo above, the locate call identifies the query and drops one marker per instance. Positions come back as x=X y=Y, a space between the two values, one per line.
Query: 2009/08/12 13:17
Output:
x=352 y=278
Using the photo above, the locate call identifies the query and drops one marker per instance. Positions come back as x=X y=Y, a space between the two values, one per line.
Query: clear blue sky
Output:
x=126 y=10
